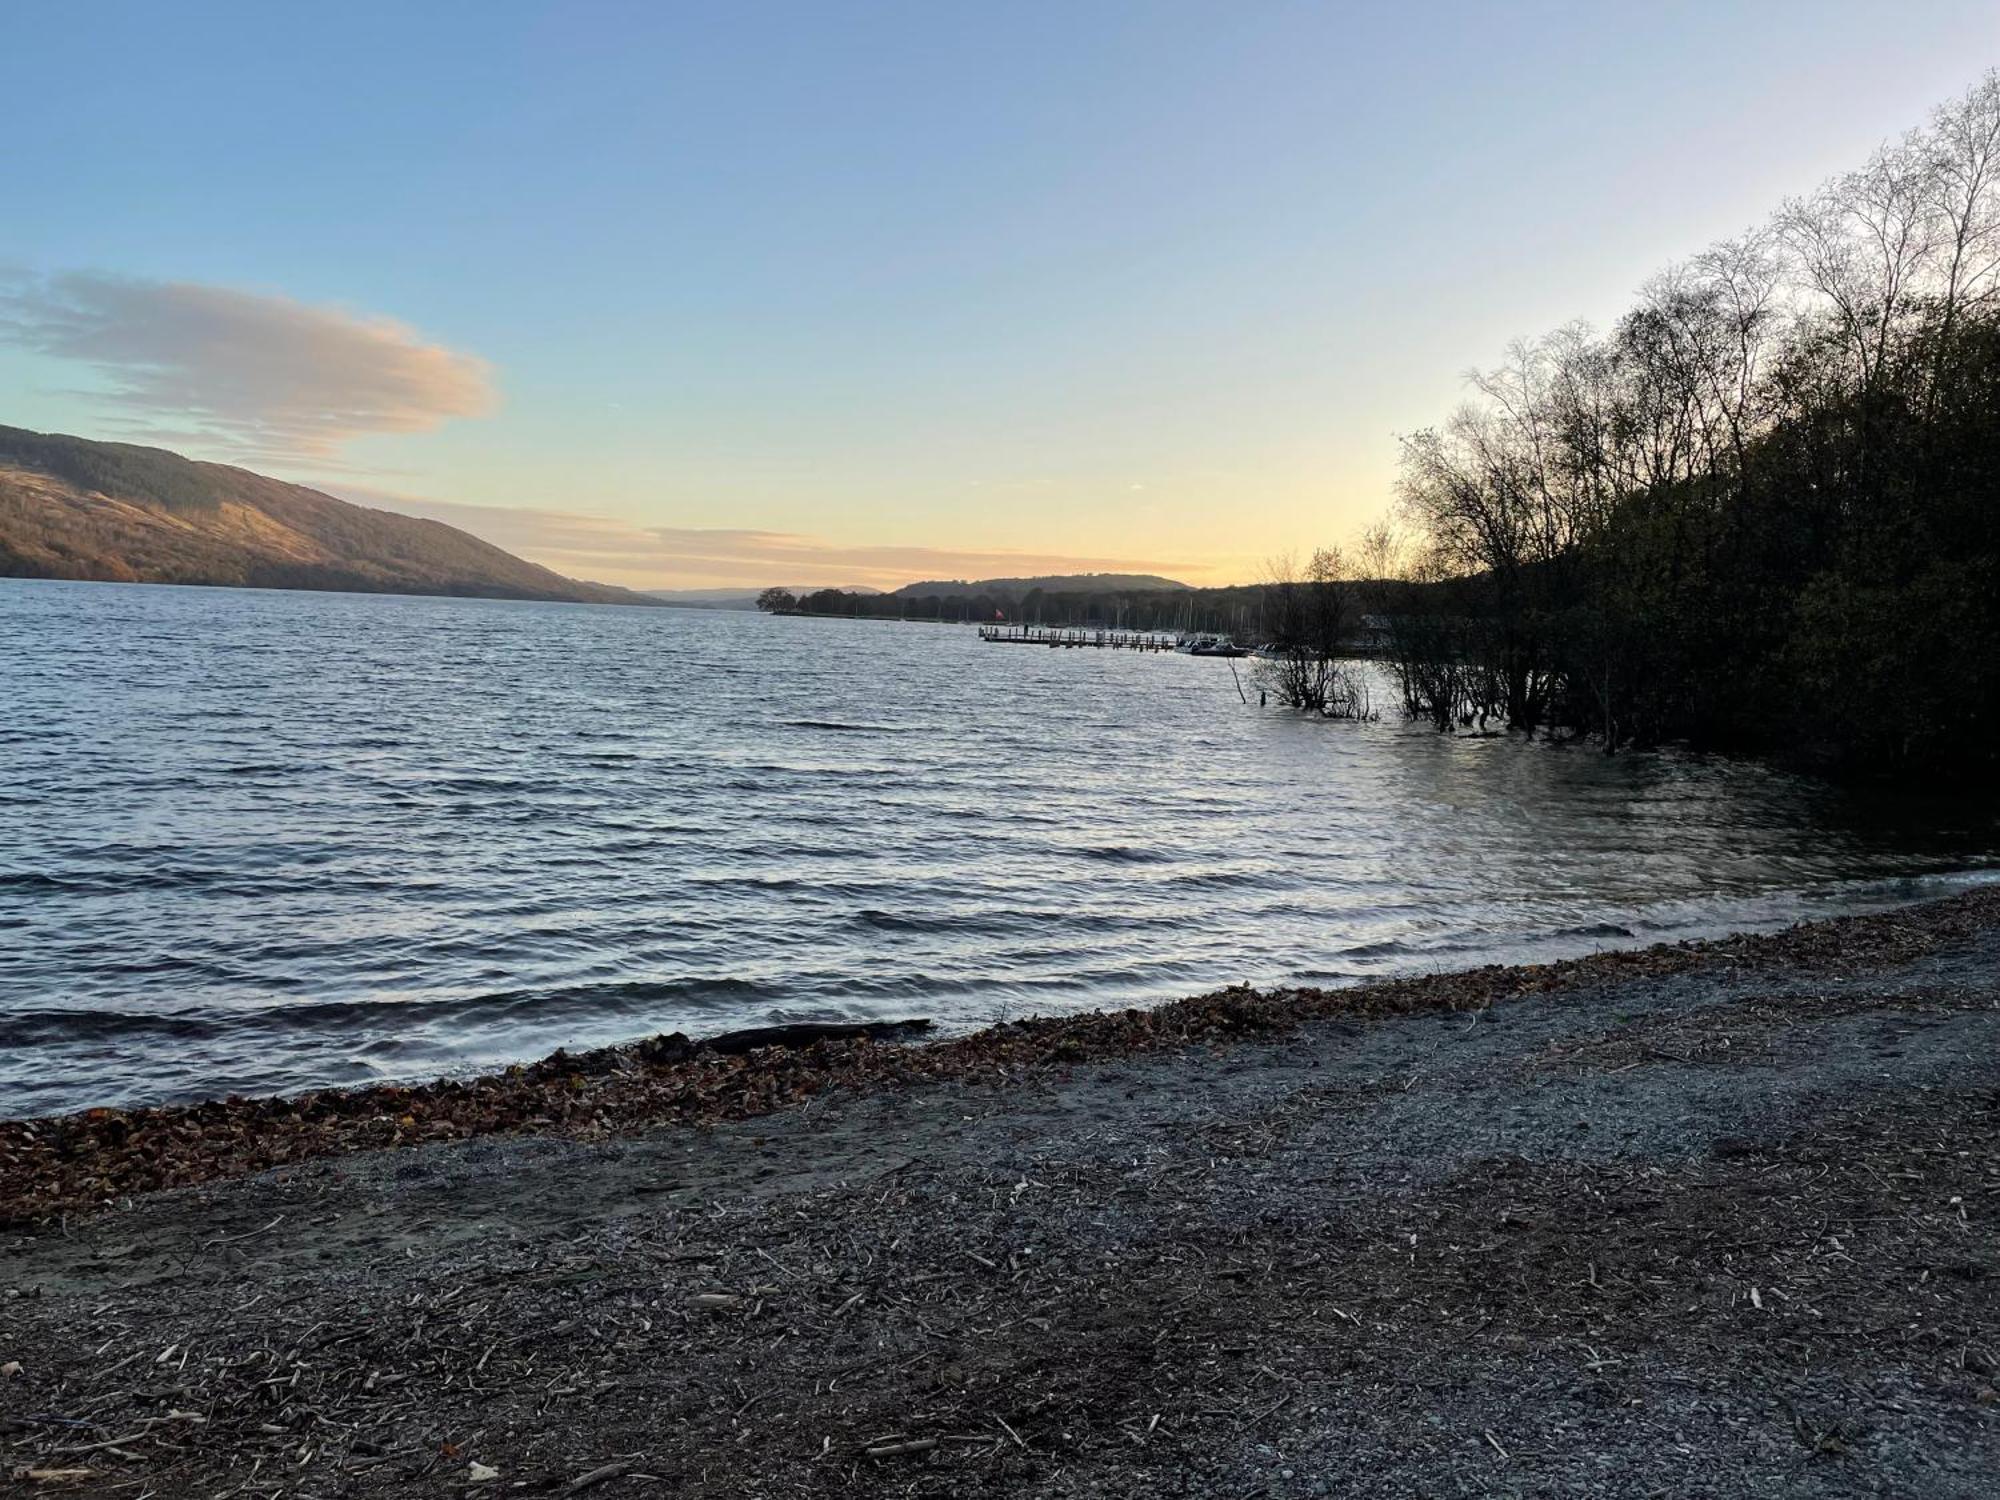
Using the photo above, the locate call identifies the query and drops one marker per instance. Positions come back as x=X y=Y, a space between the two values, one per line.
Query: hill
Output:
x=118 y=512
x=706 y=598
x=1060 y=583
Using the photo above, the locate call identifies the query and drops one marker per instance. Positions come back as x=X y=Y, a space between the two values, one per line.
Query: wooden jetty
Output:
x=1067 y=637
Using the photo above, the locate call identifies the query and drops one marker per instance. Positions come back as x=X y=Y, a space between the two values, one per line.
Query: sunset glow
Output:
x=909 y=288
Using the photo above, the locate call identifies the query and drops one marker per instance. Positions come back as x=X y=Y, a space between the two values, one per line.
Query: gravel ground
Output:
x=1722 y=1231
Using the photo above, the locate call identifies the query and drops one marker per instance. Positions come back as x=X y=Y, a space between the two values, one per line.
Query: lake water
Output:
x=260 y=841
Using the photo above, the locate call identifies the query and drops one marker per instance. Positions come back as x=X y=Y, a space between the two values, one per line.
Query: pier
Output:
x=1065 y=637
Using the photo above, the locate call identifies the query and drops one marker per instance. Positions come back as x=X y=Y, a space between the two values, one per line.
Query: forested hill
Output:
x=1062 y=583
x=117 y=512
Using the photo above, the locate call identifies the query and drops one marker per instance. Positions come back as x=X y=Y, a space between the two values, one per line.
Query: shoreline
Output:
x=94 y=1160
x=1718 y=1219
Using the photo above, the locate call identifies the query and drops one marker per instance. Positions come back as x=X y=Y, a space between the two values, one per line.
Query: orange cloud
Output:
x=263 y=376
x=613 y=551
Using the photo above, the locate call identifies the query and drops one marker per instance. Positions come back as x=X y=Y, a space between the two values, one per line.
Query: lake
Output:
x=262 y=841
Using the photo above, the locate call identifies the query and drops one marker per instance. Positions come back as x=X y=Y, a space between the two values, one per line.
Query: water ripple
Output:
x=266 y=840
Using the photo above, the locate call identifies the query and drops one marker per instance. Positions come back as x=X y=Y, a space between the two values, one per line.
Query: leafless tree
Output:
x=1309 y=613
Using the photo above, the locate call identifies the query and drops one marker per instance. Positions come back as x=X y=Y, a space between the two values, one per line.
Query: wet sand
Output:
x=1714 y=1220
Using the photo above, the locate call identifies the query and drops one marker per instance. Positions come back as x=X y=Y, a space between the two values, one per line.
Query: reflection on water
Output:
x=262 y=841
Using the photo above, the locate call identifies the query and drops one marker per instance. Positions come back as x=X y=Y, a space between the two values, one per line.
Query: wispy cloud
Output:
x=614 y=551
x=260 y=376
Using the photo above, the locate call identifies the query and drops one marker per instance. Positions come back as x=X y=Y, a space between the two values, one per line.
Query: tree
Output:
x=1759 y=513
x=1308 y=614
x=776 y=601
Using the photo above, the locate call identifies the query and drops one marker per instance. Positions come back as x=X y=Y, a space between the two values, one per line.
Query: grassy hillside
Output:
x=118 y=512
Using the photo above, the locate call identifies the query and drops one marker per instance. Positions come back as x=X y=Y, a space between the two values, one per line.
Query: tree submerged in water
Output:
x=1309 y=612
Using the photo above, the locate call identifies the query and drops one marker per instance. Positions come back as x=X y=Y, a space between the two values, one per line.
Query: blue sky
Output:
x=686 y=294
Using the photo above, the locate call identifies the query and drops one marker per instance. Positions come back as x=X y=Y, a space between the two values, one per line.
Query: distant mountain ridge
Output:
x=72 y=507
x=1055 y=583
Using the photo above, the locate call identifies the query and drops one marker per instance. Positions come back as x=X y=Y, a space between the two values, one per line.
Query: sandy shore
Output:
x=1715 y=1220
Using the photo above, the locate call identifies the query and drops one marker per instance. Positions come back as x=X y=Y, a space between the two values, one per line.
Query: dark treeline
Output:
x=1241 y=611
x=1759 y=514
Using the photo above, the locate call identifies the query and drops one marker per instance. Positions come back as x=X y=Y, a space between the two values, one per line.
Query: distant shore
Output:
x=1719 y=1218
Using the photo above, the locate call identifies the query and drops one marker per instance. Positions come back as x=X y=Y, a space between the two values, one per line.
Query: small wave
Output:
x=625 y=994
x=46 y=1026
x=138 y=965
x=35 y=880
x=837 y=726
x=953 y=922
x=1222 y=880
x=754 y=882
x=481 y=784
x=1382 y=948
x=112 y=883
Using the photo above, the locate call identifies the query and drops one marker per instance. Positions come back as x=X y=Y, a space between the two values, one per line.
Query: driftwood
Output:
x=597 y=1476
x=677 y=1046
x=805 y=1033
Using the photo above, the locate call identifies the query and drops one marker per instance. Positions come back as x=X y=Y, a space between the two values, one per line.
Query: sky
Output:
x=842 y=292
